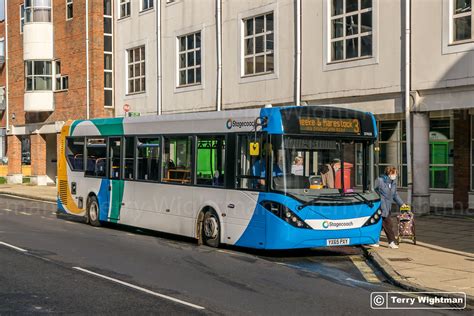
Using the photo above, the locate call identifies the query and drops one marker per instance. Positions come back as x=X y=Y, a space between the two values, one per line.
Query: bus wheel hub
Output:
x=211 y=227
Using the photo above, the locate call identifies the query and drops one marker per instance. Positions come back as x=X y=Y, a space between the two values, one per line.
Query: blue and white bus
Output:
x=269 y=178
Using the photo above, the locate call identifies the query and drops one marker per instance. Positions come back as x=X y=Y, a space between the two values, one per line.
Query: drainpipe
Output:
x=298 y=53
x=158 y=57
x=407 y=98
x=87 y=63
x=7 y=112
x=219 y=54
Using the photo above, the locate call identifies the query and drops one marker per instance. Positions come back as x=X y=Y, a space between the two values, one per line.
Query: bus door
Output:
x=116 y=184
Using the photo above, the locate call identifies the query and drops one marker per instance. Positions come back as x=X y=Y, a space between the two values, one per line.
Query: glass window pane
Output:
x=337 y=52
x=142 y=53
x=129 y=157
x=108 y=62
x=107 y=7
x=131 y=73
x=366 y=23
x=259 y=48
x=177 y=160
x=337 y=7
x=249 y=46
x=351 y=5
x=108 y=25
x=352 y=24
x=182 y=77
x=137 y=85
x=198 y=58
x=352 y=48
x=148 y=158
x=259 y=24
x=130 y=56
x=107 y=79
x=143 y=84
x=462 y=6
x=182 y=43
x=210 y=167
x=190 y=59
x=198 y=39
x=249 y=27
x=389 y=131
x=137 y=54
x=108 y=97
x=366 y=45
x=269 y=18
x=366 y=4
x=190 y=75
x=269 y=45
x=198 y=75
x=96 y=161
x=107 y=43
x=270 y=63
x=29 y=84
x=182 y=60
x=260 y=64
x=142 y=69
x=190 y=41
x=131 y=88
x=137 y=70
x=337 y=28
x=462 y=28
x=249 y=66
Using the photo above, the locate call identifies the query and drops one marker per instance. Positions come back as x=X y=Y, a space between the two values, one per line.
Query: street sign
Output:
x=126 y=107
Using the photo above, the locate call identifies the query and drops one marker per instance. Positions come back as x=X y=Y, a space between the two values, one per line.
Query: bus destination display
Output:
x=329 y=125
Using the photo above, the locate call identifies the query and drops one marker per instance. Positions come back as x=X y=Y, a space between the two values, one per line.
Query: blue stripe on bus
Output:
x=104 y=199
x=274 y=120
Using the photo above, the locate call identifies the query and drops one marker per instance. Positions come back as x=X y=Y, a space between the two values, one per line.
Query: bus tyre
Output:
x=211 y=229
x=93 y=211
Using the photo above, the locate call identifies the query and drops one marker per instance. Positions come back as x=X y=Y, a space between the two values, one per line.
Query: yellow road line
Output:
x=364 y=269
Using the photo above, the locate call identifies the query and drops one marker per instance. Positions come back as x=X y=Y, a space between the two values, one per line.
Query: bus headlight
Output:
x=284 y=213
x=374 y=219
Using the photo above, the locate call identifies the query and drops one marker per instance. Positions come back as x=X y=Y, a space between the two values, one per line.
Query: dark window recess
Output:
x=96 y=163
x=148 y=158
x=75 y=153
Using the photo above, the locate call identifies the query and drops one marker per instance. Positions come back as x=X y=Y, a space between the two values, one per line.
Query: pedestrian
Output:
x=329 y=172
x=386 y=187
x=297 y=166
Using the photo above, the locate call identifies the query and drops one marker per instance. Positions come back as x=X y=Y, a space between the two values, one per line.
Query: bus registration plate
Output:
x=337 y=242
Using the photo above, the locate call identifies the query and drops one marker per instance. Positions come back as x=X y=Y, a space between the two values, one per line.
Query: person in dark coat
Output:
x=386 y=187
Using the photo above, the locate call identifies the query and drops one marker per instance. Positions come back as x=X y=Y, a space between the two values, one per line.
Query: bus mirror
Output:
x=254 y=149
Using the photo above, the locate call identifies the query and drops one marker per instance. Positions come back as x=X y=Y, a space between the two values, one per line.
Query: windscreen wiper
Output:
x=318 y=198
x=363 y=198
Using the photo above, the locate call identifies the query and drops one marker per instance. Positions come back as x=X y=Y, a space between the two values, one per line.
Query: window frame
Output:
x=186 y=51
x=192 y=137
x=69 y=4
x=135 y=161
x=450 y=166
x=254 y=55
x=83 y=151
x=133 y=64
x=452 y=17
x=150 y=7
x=111 y=55
x=59 y=77
x=22 y=17
x=34 y=7
x=86 y=154
x=225 y=166
x=33 y=75
x=127 y=4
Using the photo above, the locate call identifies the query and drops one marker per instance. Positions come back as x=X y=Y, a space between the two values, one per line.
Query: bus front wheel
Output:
x=93 y=211
x=211 y=229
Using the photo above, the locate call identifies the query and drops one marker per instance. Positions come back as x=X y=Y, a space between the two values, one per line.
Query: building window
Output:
x=69 y=10
x=463 y=15
x=391 y=150
x=350 y=29
x=61 y=82
x=37 y=11
x=136 y=70
x=108 y=54
x=441 y=153
x=189 y=59
x=22 y=17
x=38 y=76
x=124 y=8
x=258 y=45
x=147 y=4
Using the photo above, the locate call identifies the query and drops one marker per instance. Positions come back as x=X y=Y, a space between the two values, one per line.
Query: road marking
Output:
x=364 y=269
x=28 y=199
x=140 y=288
x=13 y=247
x=8 y=210
x=24 y=213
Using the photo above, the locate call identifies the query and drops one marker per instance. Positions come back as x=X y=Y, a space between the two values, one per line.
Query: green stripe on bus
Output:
x=116 y=201
x=109 y=126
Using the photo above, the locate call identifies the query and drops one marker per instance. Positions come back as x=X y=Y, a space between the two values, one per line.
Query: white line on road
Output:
x=24 y=213
x=13 y=247
x=28 y=199
x=140 y=288
x=7 y=210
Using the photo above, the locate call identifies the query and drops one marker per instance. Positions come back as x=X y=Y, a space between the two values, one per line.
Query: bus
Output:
x=269 y=178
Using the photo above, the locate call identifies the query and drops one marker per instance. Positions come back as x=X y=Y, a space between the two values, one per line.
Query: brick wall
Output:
x=38 y=155
x=461 y=159
x=14 y=155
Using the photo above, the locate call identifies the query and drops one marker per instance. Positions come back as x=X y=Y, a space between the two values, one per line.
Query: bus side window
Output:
x=96 y=162
x=177 y=160
x=75 y=153
x=115 y=145
x=210 y=160
x=148 y=156
x=129 y=158
x=250 y=169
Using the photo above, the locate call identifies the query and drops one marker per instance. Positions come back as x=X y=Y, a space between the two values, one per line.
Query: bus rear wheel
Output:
x=211 y=229
x=93 y=211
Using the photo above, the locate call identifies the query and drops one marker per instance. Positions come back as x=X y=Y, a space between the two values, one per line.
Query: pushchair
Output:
x=406 y=224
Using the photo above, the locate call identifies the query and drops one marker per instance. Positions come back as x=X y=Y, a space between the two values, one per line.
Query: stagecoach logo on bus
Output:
x=327 y=224
x=239 y=124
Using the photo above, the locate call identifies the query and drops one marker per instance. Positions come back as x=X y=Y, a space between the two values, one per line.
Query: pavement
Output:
x=441 y=260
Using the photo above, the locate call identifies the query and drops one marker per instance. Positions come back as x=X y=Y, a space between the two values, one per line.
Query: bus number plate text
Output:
x=337 y=242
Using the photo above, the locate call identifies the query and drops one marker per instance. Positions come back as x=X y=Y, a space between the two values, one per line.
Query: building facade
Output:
x=185 y=55
x=59 y=65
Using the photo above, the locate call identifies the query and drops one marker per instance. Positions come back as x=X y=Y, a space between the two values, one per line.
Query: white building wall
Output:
x=136 y=30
